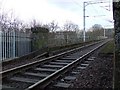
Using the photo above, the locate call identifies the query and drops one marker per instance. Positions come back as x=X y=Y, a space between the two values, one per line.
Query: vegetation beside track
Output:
x=108 y=48
x=69 y=46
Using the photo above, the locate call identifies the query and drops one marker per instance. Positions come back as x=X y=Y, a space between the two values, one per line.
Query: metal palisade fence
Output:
x=14 y=44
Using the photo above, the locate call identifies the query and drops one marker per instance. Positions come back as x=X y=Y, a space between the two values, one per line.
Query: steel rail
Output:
x=47 y=80
x=12 y=60
x=33 y=64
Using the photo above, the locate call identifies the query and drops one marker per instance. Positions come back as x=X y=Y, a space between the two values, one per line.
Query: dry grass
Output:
x=109 y=48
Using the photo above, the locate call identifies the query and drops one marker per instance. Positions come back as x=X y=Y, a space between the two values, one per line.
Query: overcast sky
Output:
x=61 y=11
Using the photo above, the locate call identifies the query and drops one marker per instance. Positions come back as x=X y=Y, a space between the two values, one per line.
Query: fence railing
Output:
x=14 y=44
x=17 y=43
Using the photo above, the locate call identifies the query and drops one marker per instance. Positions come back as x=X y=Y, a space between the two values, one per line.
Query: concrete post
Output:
x=116 y=15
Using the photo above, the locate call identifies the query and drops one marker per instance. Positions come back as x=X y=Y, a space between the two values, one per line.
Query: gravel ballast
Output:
x=99 y=74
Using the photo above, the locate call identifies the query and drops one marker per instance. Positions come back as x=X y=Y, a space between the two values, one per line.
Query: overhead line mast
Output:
x=84 y=24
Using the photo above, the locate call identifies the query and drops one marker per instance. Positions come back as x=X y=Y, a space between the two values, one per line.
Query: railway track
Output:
x=8 y=64
x=34 y=56
x=40 y=74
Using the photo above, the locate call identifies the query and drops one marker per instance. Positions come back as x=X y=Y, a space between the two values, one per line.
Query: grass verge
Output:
x=108 y=48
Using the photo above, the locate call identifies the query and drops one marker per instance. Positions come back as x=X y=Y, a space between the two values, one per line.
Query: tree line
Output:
x=69 y=33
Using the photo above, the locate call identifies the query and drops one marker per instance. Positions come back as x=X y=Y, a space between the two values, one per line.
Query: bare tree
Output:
x=3 y=21
x=70 y=26
x=97 y=31
x=70 y=31
x=10 y=22
x=34 y=23
x=52 y=26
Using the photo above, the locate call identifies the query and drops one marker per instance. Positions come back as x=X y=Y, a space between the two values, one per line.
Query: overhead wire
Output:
x=106 y=1
x=110 y=21
x=78 y=4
